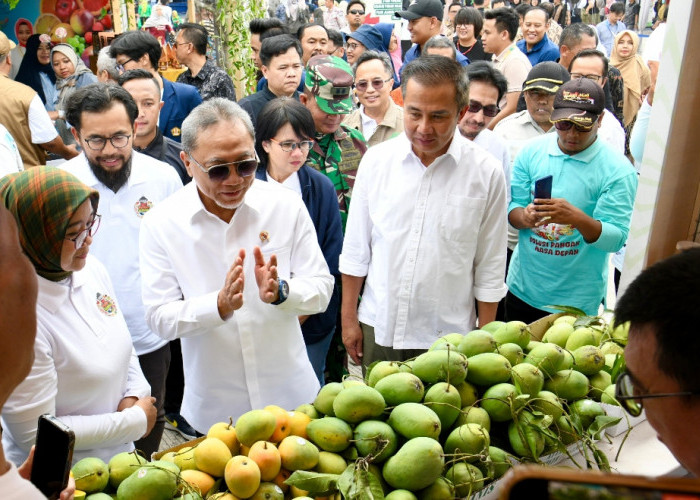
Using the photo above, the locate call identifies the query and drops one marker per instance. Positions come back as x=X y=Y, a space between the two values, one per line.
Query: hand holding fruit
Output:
x=266 y=276
x=230 y=297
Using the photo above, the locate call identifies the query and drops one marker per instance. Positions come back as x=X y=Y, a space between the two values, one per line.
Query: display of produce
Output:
x=440 y=426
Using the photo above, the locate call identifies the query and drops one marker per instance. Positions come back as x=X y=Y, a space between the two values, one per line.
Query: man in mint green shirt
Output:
x=564 y=241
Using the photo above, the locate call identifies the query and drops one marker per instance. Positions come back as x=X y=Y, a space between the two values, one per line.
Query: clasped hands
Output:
x=230 y=296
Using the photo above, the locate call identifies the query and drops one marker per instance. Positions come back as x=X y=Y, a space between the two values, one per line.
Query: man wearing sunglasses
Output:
x=228 y=266
x=130 y=184
x=566 y=234
x=355 y=15
x=662 y=369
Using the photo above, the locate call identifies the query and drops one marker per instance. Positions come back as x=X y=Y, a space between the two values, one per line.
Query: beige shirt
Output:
x=515 y=66
x=391 y=126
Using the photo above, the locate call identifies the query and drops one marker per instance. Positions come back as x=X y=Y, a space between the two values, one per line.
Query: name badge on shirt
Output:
x=175 y=131
x=106 y=304
x=142 y=206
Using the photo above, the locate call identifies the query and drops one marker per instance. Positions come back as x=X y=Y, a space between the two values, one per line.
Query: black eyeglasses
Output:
x=120 y=66
x=491 y=110
x=289 y=146
x=631 y=402
x=98 y=143
x=218 y=173
x=565 y=125
x=377 y=84
x=89 y=230
x=595 y=78
x=357 y=12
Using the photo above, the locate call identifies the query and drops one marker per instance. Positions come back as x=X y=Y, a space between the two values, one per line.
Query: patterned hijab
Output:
x=635 y=76
x=43 y=200
x=66 y=86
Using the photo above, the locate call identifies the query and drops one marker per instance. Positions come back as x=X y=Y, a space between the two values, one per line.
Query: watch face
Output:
x=284 y=289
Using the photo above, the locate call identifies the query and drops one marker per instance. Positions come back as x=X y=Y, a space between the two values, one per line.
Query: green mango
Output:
x=91 y=475
x=488 y=369
x=467 y=478
x=324 y=399
x=445 y=401
x=476 y=342
x=400 y=388
x=357 y=403
x=441 y=489
x=468 y=439
x=441 y=366
x=122 y=465
x=148 y=483
x=413 y=420
x=329 y=433
x=568 y=384
x=374 y=436
x=416 y=465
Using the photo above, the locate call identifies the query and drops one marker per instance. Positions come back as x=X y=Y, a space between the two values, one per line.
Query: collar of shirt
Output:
x=154 y=146
x=54 y=294
x=506 y=52
x=204 y=73
x=454 y=151
x=585 y=156
x=537 y=47
x=194 y=206
x=136 y=176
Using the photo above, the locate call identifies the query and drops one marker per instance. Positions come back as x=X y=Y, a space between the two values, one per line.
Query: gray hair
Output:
x=440 y=42
x=371 y=55
x=210 y=113
x=107 y=63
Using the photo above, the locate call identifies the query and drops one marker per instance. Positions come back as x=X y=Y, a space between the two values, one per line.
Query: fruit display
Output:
x=440 y=426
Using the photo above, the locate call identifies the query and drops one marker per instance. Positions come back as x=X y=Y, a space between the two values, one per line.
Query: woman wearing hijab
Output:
x=23 y=30
x=71 y=73
x=36 y=70
x=85 y=370
x=635 y=74
x=283 y=139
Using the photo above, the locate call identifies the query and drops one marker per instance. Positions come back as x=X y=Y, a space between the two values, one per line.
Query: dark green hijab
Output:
x=43 y=200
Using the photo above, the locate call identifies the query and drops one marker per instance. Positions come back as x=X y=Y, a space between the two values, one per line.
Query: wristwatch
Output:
x=283 y=292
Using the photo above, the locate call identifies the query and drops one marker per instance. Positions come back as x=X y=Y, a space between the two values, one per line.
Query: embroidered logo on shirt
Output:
x=175 y=131
x=264 y=236
x=142 y=206
x=106 y=304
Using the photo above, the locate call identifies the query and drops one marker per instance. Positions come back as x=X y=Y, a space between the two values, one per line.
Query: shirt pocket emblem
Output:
x=106 y=304
x=142 y=206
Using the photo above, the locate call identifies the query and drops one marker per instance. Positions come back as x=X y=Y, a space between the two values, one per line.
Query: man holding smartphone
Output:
x=564 y=240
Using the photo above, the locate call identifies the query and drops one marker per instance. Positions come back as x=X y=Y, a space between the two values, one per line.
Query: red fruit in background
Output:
x=96 y=26
x=107 y=22
x=85 y=56
x=88 y=36
x=94 y=5
x=81 y=21
x=64 y=8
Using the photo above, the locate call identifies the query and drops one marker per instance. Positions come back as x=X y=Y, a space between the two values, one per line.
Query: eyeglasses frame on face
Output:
x=363 y=85
x=594 y=78
x=291 y=145
x=636 y=410
x=357 y=12
x=89 y=230
x=477 y=106
x=237 y=164
x=352 y=46
x=104 y=141
x=181 y=43
x=579 y=128
x=120 y=66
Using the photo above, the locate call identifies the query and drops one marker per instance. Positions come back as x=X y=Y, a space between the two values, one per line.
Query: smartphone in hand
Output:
x=543 y=188
x=53 y=455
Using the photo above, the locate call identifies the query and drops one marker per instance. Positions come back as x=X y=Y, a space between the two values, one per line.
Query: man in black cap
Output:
x=567 y=231
x=424 y=22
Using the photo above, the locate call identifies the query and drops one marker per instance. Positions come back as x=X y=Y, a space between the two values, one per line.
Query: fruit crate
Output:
x=159 y=454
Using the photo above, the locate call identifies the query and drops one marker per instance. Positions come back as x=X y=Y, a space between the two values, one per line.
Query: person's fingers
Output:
x=259 y=259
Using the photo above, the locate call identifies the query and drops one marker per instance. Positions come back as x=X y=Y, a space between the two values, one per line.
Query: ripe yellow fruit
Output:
x=242 y=476
x=282 y=428
x=211 y=456
x=297 y=423
x=267 y=456
x=198 y=480
x=226 y=432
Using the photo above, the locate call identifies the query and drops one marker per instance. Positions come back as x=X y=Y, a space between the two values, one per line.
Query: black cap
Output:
x=547 y=76
x=422 y=8
x=580 y=101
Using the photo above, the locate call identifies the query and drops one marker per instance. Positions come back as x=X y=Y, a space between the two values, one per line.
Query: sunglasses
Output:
x=377 y=84
x=491 y=110
x=565 y=125
x=357 y=12
x=218 y=173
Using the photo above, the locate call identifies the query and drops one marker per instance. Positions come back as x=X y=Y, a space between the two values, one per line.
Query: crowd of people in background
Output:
x=240 y=231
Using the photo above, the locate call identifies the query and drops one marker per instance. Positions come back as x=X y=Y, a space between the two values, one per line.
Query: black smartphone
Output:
x=52 y=456
x=543 y=188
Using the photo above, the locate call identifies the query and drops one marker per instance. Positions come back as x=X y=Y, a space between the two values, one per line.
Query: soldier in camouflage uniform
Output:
x=336 y=153
x=338 y=149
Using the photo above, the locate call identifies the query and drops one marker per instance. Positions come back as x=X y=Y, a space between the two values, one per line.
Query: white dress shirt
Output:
x=611 y=132
x=499 y=149
x=255 y=357
x=84 y=365
x=116 y=243
x=429 y=240
x=10 y=159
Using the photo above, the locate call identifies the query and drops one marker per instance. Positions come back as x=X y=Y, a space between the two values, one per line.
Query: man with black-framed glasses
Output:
x=661 y=308
x=228 y=265
x=130 y=184
x=566 y=235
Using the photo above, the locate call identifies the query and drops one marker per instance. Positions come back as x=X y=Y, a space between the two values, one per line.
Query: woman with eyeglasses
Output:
x=283 y=139
x=85 y=370
x=378 y=117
